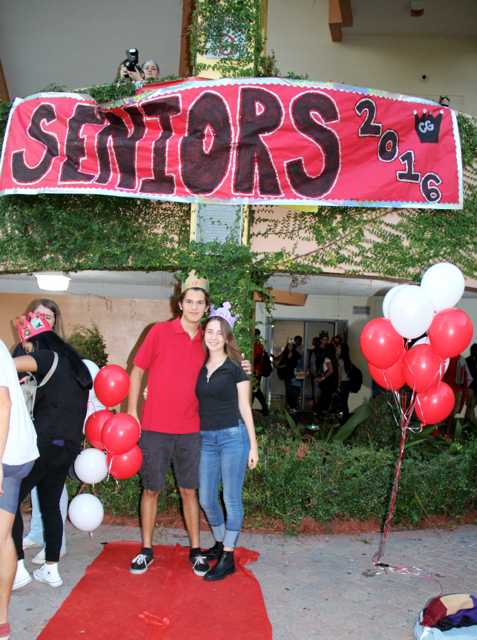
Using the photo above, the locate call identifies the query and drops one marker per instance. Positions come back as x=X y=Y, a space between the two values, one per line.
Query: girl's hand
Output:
x=253 y=458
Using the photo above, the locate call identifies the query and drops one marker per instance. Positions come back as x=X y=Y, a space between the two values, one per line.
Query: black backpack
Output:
x=266 y=364
x=355 y=378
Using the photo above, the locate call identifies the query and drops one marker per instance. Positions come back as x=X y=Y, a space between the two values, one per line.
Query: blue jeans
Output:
x=223 y=460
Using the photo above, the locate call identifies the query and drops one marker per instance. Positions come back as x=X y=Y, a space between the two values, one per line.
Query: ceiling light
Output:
x=53 y=281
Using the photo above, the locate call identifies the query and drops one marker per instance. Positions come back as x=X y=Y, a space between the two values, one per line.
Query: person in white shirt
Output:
x=18 y=451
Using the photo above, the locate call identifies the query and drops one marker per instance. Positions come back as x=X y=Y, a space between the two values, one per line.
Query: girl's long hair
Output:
x=52 y=342
x=54 y=308
x=231 y=346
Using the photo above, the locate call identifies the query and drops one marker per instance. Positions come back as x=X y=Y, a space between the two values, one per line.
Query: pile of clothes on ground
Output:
x=450 y=617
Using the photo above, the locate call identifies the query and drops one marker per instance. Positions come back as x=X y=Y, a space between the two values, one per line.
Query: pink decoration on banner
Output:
x=381 y=345
x=313 y=134
x=450 y=332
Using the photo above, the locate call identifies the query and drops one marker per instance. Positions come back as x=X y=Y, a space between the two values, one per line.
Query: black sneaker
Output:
x=141 y=563
x=200 y=566
x=214 y=552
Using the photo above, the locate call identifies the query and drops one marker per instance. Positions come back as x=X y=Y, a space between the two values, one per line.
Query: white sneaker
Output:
x=28 y=543
x=40 y=556
x=48 y=574
x=22 y=577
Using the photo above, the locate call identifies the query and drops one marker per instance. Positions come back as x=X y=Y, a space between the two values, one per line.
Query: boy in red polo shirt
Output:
x=172 y=354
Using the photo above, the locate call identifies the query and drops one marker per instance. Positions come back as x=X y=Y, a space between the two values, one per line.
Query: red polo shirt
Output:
x=173 y=360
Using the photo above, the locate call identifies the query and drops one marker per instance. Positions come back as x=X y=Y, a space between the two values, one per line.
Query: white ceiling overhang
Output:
x=161 y=284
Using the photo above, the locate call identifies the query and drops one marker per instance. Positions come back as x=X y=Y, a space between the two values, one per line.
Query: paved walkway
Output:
x=314 y=586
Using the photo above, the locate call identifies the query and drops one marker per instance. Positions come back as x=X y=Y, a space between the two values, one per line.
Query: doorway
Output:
x=277 y=334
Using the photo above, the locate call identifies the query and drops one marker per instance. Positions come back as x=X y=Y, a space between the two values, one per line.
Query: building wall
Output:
x=78 y=44
x=120 y=321
x=382 y=54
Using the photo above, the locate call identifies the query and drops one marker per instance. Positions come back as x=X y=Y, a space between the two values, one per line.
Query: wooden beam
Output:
x=335 y=20
x=3 y=85
x=282 y=296
x=185 y=66
x=346 y=13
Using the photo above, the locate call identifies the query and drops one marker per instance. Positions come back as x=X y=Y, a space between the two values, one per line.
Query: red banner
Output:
x=241 y=141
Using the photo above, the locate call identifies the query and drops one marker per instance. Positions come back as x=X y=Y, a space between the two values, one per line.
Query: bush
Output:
x=323 y=481
x=89 y=343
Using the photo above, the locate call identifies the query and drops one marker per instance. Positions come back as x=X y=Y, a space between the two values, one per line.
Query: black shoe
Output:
x=200 y=566
x=141 y=563
x=214 y=552
x=224 y=567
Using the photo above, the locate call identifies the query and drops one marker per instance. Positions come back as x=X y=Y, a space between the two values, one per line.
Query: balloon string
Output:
x=404 y=424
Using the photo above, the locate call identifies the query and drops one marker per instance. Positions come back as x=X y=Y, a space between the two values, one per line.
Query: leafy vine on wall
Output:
x=78 y=232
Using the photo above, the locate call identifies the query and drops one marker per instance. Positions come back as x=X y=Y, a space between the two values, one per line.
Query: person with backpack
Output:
x=34 y=538
x=261 y=368
x=349 y=380
x=18 y=451
x=59 y=412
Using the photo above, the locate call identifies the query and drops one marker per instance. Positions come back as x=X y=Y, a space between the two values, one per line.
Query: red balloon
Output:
x=120 y=433
x=111 y=385
x=125 y=465
x=450 y=332
x=391 y=378
x=423 y=368
x=380 y=343
x=435 y=404
x=94 y=427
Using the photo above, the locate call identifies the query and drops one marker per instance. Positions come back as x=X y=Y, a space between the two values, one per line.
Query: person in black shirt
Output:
x=472 y=390
x=59 y=412
x=228 y=439
x=50 y=310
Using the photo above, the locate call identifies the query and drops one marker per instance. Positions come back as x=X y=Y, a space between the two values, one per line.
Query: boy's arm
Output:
x=134 y=389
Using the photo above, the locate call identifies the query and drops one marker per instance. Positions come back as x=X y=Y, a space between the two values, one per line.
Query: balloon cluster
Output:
x=114 y=438
x=426 y=312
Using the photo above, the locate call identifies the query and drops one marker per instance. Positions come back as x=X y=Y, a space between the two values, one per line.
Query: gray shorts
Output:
x=13 y=475
x=159 y=450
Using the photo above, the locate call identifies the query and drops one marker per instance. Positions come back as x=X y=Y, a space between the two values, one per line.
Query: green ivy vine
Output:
x=230 y=33
x=79 y=232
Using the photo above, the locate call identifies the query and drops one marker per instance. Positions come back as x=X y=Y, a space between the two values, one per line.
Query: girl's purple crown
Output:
x=224 y=313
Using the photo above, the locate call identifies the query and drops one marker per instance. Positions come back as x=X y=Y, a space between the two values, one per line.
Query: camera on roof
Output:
x=132 y=61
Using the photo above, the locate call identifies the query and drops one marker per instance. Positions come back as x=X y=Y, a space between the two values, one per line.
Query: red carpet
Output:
x=168 y=602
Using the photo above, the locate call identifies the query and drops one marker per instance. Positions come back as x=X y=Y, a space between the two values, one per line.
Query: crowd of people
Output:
x=327 y=365
x=197 y=417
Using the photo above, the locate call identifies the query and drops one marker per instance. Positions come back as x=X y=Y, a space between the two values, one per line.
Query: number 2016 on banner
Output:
x=388 y=148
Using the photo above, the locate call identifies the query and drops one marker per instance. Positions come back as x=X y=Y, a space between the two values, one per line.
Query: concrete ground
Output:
x=314 y=586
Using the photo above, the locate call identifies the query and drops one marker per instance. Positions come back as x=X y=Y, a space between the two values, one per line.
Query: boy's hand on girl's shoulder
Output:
x=246 y=366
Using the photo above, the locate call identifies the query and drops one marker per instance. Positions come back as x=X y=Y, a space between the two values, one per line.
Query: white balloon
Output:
x=389 y=296
x=86 y=512
x=444 y=284
x=91 y=466
x=92 y=368
x=411 y=312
